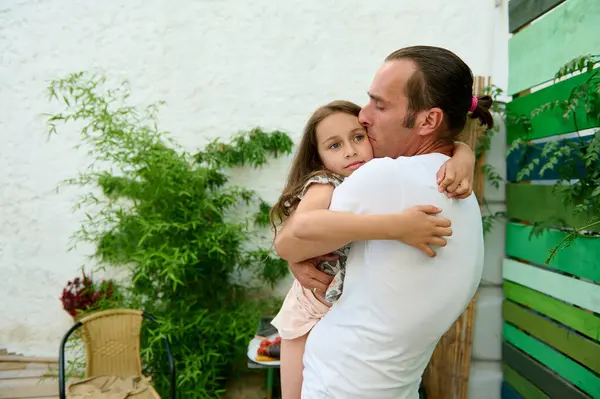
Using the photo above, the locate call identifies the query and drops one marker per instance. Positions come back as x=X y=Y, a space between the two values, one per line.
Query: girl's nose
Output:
x=351 y=153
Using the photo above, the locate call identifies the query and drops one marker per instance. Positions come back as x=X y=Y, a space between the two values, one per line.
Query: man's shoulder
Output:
x=378 y=168
x=397 y=168
x=369 y=187
x=376 y=163
x=393 y=164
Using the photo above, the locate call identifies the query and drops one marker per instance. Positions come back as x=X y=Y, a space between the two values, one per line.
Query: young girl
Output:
x=333 y=146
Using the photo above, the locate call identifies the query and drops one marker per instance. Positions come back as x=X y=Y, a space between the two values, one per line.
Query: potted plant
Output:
x=82 y=295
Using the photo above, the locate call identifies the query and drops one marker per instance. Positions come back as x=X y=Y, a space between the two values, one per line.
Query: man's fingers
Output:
x=324 y=279
x=327 y=257
x=321 y=277
x=319 y=286
x=313 y=283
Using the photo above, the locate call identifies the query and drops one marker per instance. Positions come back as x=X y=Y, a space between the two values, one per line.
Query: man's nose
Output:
x=363 y=116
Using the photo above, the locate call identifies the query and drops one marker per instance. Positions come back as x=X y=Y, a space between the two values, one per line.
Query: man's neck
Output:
x=427 y=146
x=437 y=146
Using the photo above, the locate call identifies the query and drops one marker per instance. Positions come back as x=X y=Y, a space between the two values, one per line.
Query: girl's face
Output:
x=342 y=144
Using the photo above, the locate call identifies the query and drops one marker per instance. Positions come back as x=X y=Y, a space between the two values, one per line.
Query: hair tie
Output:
x=474 y=102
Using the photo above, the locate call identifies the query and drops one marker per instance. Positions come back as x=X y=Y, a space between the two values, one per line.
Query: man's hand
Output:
x=310 y=277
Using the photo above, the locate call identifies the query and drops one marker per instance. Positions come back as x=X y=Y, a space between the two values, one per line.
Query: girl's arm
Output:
x=312 y=230
x=320 y=231
x=317 y=197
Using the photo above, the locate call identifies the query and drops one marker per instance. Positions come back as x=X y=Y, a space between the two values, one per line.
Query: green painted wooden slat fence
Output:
x=578 y=319
x=539 y=375
x=552 y=345
x=521 y=385
x=522 y=12
x=576 y=292
x=538 y=203
x=554 y=360
x=508 y=392
x=585 y=351
x=581 y=259
x=526 y=154
x=536 y=53
x=550 y=122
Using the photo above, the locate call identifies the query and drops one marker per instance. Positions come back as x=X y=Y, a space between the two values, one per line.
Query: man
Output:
x=376 y=341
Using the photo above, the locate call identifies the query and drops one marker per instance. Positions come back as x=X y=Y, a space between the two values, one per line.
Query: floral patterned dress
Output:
x=333 y=268
x=301 y=309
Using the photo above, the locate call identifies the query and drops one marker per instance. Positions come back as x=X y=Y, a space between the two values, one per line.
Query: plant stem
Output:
x=568 y=237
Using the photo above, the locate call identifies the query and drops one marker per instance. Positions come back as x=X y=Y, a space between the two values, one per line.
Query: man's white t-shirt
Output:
x=377 y=339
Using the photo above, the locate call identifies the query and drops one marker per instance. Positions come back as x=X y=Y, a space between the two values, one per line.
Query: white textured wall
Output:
x=221 y=65
x=486 y=371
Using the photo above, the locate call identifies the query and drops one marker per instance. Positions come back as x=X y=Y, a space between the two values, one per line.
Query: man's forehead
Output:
x=391 y=78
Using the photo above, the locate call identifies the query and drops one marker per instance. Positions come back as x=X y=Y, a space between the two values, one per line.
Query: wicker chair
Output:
x=112 y=346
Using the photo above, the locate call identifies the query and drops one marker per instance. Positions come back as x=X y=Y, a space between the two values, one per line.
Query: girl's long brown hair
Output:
x=307 y=163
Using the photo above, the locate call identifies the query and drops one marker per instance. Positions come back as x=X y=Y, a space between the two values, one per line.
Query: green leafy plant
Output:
x=569 y=158
x=490 y=173
x=182 y=231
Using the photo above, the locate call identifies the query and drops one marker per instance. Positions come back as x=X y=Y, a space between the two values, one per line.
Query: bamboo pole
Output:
x=447 y=375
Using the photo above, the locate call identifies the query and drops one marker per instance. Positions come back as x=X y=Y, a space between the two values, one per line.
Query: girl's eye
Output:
x=360 y=137
x=334 y=146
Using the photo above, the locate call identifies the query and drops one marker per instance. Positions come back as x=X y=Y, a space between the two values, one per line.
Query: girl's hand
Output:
x=455 y=179
x=419 y=227
x=456 y=176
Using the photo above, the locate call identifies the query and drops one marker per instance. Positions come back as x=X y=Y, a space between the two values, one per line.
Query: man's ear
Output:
x=431 y=121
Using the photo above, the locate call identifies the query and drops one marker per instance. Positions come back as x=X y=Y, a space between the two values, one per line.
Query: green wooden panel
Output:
x=508 y=392
x=521 y=385
x=568 y=289
x=538 y=203
x=522 y=12
x=535 y=54
x=585 y=351
x=564 y=169
x=556 y=361
x=550 y=122
x=582 y=258
x=542 y=377
x=578 y=319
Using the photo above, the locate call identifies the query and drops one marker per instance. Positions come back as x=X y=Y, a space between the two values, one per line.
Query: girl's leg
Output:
x=292 y=352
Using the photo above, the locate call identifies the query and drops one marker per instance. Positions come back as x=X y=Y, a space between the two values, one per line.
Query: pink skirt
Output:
x=300 y=311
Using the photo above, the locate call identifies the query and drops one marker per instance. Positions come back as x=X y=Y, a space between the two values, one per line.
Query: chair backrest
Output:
x=112 y=343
